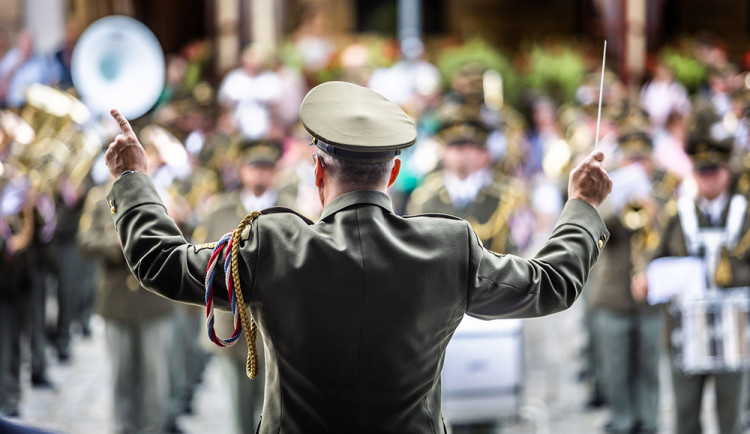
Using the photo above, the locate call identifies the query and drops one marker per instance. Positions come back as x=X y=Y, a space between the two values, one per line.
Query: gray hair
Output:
x=357 y=174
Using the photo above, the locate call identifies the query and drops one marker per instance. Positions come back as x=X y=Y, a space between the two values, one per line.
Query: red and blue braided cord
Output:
x=224 y=244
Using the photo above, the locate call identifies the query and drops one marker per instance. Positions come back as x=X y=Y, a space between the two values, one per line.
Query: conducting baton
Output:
x=601 y=89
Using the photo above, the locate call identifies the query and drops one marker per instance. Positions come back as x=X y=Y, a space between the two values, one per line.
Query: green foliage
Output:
x=476 y=51
x=686 y=68
x=556 y=70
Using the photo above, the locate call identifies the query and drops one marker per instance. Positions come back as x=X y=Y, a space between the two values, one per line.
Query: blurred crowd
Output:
x=221 y=147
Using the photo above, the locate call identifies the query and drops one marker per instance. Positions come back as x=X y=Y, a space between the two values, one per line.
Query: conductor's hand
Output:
x=589 y=181
x=125 y=152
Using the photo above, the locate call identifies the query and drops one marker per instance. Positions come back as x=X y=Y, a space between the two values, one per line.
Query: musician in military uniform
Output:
x=627 y=331
x=356 y=310
x=16 y=233
x=18 y=230
x=716 y=208
x=257 y=168
x=466 y=186
x=139 y=327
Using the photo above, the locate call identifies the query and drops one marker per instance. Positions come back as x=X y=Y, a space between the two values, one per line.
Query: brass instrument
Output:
x=14 y=135
x=635 y=216
x=639 y=217
x=60 y=146
x=17 y=222
x=118 y=63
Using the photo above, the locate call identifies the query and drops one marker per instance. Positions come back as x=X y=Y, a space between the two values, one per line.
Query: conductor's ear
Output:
x=319 y=169
x=394 y=171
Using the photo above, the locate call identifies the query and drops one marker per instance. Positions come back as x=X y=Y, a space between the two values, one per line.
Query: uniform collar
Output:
x=355 y=198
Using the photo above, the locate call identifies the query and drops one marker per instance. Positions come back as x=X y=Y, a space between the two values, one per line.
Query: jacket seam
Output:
x=469 y=233
x=505 y=285
x=270 y=332
x=445 y=334
x=361 y=322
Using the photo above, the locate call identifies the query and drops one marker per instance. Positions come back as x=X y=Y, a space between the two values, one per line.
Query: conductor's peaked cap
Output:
x=355 y=123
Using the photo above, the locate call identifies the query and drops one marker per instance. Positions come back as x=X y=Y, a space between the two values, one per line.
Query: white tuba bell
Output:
x=118 y=63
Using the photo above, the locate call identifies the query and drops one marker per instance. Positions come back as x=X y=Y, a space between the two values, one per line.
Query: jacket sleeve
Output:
x=96 y=233
x=155 y=249
x=507 y=286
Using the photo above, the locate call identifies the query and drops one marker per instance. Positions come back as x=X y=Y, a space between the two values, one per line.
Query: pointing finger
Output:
x=123 y=123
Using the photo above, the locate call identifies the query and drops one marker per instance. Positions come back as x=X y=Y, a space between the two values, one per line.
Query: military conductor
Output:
x=356 y=310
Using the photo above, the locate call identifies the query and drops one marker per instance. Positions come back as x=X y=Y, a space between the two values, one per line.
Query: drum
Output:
x=483 y=371
x=711 y=334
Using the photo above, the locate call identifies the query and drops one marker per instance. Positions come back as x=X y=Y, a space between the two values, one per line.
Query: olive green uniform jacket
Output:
x=489 y=214
x=673 y=244
x=611 y=277
x=121 y=298
x=357 y=309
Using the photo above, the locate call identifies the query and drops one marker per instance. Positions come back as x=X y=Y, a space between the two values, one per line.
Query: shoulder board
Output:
x=434 y=214
x=433 y=180
x=285 y=210
x=429 y=187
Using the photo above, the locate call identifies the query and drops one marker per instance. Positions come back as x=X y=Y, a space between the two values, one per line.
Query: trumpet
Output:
x=640 y=218
x=636 y=216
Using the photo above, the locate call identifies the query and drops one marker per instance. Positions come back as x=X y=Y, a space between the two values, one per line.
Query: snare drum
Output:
x=711 y=334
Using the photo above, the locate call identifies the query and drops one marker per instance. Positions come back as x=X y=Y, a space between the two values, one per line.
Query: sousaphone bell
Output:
x=118 y=63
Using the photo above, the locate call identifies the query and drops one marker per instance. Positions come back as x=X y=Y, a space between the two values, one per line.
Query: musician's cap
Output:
x=262 y=152
x=709 y=143
x=461 y=124
x=355 y=123
x=634 y=140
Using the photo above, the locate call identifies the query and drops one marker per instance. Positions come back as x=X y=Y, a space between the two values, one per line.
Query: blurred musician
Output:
x=626 y=331
x=715 y=210
x=16 y=233
x=139 y=327
x=467 y=187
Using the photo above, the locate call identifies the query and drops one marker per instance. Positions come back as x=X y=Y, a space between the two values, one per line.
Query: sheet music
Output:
x=630 y=183
x=672 y=276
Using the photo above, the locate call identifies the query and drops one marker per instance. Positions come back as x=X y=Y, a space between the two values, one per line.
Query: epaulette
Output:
x=665 y=184
x=429 y=188
x=433 y=181
x=285 y=210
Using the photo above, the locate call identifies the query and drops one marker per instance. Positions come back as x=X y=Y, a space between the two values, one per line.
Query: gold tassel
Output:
x=723 y=275
x=248 y=323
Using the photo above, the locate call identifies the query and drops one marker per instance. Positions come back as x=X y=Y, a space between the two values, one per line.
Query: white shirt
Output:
x=464 y=191
x=252 y=202
x=714 y=208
